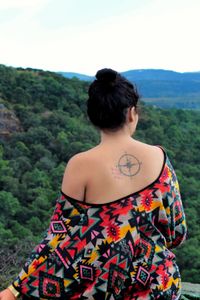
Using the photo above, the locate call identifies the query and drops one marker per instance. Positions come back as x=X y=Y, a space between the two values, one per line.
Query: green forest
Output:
x=48 y=125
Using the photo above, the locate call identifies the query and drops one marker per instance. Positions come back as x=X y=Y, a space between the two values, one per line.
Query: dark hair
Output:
x=110 y=95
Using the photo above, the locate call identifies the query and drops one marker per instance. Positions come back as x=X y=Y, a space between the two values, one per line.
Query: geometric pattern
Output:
x=140 y=274
x=143 y=275
x=117 y=278
x=116 y=250
x=86 y=272
x=58 y=227
x=50 y=286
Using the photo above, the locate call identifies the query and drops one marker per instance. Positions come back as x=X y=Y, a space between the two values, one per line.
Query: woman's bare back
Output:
x=115 y=171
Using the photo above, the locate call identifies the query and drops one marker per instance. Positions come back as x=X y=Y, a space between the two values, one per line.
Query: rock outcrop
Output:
x=9 y=123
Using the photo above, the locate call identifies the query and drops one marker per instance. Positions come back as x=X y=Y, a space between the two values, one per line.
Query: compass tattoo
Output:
x=128 y=165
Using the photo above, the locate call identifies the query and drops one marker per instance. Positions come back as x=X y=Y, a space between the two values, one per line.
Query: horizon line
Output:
x=86 y=74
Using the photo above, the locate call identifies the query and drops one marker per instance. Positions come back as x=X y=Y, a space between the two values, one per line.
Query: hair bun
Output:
x=106 y=75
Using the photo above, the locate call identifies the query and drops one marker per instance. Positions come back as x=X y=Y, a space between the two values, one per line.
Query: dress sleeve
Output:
x=54 y=235
x=173 y=225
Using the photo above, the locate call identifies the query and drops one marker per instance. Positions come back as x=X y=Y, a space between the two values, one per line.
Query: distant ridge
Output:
x=163 y=88
x=144 y=74
x=76 y=75
x=160 y=74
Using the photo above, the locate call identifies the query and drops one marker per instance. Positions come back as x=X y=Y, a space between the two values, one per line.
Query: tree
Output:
x=9 y=206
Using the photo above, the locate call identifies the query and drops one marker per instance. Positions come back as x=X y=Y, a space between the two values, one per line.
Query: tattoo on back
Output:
x=128 y=165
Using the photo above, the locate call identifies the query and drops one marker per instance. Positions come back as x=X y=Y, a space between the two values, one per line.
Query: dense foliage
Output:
x=52 y=113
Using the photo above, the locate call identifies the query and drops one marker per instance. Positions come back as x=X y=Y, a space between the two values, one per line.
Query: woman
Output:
x=117 y=216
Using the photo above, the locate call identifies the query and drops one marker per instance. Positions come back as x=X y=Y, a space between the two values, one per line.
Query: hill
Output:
x=161 y=75
x=76 y=75
x=162 y=88
x=53 y=126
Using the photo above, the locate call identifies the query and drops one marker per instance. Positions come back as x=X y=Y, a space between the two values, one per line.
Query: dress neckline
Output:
x=126 y=196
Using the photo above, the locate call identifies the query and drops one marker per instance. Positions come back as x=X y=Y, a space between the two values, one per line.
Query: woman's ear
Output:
x=131 y=114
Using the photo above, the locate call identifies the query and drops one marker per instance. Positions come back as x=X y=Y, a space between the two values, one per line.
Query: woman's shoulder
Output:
x=153 y=156
x=148 y=150
x=81 y=160
x=150 y=153
x=82 y=155
x=157 y=151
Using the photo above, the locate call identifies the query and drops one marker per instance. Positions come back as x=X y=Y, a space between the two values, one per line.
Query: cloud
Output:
x=13 y=4
x=161 y=35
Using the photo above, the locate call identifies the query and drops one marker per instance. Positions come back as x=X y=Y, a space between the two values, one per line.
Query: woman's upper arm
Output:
x=75 y=178
x=177 y=228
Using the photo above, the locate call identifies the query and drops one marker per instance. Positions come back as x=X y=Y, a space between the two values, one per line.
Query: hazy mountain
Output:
x=163 y=88
x=76 y=75
x=159 y=74
x=145 y=74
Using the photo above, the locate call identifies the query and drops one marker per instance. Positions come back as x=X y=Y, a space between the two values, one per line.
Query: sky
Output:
x=86 y=35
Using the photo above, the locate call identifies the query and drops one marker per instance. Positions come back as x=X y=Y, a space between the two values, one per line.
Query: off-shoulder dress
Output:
x=116 y=250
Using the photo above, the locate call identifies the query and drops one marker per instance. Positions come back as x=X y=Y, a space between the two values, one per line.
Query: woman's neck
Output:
x=117 y=137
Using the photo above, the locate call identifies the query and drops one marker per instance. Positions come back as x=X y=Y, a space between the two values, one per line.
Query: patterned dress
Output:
x=118 y=250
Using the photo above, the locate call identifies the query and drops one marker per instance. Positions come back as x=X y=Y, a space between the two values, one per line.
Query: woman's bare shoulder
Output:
x=82 y=157
x=153 y=157
x=76 y=176
x=155 y=152
x=150 y=152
